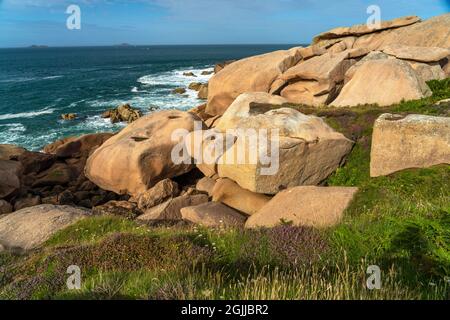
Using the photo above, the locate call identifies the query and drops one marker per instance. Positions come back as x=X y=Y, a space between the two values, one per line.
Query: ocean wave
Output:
x=27 y=79
x=30 y=114
x=175 y=77
x=51 y=77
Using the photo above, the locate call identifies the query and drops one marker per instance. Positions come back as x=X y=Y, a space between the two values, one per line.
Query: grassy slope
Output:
x=400 y=222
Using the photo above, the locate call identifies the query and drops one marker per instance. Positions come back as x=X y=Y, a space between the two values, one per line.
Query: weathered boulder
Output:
x=195 y=86
x=306 y=92
x=200 y=111
x=206 y=147
x=231 y=194
x=161 y=192
x=221 y=65
x=206 y=184
x=254 y=74
x=58 y=174
x=123 y=113
x=140 y=155
x=330 y=67
x=68 y=116
x=189 y=74
x=311 y=51
x=213 y=214
x=179 y=91
x=122 y=209
x=26 y=202
x=420 y=54
x=203 y=92
x=10 y=152
x=414 y=141
x=75 y=147
x=30 y=227
x=383 y=82
x=304 y=206
x=296 y=150
x=36 y=162
x=241 y=112
x=428 y=71
x=171 y=209
x=361 y=29
x=5 y=207
x=10 y=173
x=432 y=32
x=315 y=81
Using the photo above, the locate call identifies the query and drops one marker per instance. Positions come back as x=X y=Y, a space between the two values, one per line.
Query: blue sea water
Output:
x=37 y=85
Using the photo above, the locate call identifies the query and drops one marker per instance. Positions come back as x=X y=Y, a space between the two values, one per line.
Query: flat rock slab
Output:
x=414 y=141
x=421 y=54
x=304 y=206
x=213 y=214
x=361 y=29
x=30 y=227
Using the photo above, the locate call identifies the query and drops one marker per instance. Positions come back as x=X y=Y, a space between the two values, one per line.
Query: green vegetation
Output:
x=400 y=223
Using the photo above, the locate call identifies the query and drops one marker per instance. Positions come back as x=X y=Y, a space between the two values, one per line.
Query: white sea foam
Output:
x=27 y=79
x=51 y=77
x=30 y=114
x=159 y=87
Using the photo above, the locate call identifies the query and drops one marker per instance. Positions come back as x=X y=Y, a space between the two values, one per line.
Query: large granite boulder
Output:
x=30 y=227
x=239 y=114
x=77 y=146
x=304 y=206
x=414 y=141
x=314 y=81
x=383 y=82
x=140 y=155
x=278 y=148
x=254 y=74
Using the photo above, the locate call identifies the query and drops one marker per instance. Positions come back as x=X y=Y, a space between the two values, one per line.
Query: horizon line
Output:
x=125 y=45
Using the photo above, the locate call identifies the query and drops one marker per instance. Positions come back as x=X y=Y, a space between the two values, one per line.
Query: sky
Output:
x=151 y=22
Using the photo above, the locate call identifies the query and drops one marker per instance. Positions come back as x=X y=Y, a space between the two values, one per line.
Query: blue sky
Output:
x=106 y=22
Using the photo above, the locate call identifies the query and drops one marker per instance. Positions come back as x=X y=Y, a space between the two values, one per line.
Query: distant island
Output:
x=38 y=46
x=123 y=45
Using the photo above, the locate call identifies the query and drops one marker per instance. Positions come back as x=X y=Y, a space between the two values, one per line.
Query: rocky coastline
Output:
x=132 y=174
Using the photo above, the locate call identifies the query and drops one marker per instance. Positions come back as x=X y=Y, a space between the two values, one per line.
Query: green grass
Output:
x=400 y=223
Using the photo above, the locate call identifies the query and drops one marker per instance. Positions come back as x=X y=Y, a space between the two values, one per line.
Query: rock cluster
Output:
x=123 y=113
x=55 y=176
x=346 y=66
x=247 y=157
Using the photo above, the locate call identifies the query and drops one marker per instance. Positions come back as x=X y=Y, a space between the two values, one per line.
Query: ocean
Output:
x=37 y=85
